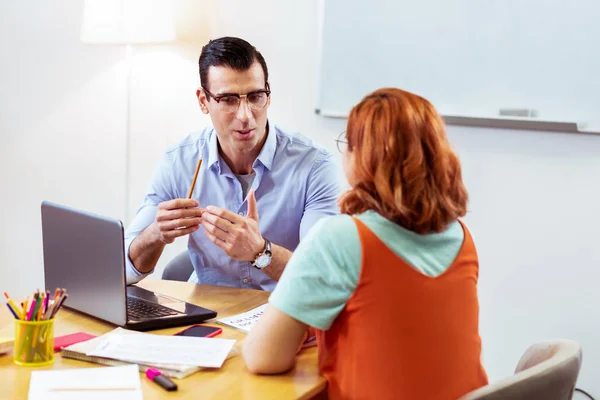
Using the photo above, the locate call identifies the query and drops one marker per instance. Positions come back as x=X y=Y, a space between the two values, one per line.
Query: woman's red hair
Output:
x=404 y=167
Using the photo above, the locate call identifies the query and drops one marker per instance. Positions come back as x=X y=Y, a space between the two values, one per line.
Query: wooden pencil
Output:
x=189 y=196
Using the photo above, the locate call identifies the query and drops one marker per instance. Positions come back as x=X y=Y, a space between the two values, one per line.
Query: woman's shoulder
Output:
x=334 y=239
x=340 y=224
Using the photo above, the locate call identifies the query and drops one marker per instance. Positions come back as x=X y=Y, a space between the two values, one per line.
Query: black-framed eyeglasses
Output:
x=341 y=142
x=230 y=102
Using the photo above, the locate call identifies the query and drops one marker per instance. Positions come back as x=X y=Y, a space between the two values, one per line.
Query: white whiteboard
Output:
x=469 y=57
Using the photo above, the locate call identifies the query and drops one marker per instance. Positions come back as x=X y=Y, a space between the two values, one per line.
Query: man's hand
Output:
x=176 y=218
x=238 y=236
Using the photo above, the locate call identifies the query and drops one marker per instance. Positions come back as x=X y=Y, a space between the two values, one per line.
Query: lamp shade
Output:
x=127 y=22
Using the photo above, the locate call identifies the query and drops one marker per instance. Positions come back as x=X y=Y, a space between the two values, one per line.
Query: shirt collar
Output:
x=266 y=155
x=213 y=149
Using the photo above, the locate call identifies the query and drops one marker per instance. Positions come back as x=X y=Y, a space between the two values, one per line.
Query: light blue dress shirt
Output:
x=296 y=184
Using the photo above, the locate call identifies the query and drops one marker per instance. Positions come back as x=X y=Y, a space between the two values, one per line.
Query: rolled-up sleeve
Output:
x=323 y=190
x=160 y=189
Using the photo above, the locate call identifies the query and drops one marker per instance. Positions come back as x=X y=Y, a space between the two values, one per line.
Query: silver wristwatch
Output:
x=263 y=259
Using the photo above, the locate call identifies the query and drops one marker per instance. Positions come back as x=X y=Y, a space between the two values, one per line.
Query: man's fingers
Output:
x=178 y=217
x=218 y=242
x=167 y=215
x=178 y=203
x=172 y=235
x=252 y=209
x=219 y=222
x=226 y=214
x=180 y=223
x=214 y=230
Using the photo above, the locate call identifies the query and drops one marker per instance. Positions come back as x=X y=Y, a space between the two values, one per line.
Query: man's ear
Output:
x=202 y=100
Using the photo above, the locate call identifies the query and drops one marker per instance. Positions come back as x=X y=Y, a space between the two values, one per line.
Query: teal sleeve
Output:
x=322 y=273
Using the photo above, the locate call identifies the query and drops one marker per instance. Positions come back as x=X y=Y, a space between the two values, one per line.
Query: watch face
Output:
x=263 y=261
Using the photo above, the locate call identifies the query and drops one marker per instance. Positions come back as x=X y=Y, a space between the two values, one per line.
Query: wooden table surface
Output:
x=231 y=381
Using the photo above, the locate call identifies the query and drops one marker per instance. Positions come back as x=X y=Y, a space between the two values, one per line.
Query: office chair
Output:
x=179 y=268
x=547 y=370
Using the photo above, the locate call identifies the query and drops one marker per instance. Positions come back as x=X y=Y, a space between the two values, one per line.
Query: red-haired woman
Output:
x=391 y=284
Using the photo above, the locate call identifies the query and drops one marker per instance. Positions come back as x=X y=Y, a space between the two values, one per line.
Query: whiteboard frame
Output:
x=516 y=123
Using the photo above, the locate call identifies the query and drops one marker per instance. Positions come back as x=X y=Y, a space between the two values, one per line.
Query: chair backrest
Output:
x=179 y=268
x=547 y=370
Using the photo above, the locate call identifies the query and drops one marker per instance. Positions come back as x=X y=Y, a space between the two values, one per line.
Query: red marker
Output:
x=156 y=376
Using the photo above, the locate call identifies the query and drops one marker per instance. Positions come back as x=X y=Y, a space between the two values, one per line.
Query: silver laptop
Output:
x=85 y=254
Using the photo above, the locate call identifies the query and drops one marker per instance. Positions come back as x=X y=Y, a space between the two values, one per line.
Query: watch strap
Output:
x=267 y=248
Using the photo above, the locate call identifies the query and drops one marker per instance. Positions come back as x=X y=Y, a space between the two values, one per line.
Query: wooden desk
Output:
x=232 y=381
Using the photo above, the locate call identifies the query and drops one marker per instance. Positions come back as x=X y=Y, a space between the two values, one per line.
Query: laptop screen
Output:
x=84 y=253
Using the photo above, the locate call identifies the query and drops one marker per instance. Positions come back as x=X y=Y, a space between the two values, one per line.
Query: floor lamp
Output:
x=127 y=23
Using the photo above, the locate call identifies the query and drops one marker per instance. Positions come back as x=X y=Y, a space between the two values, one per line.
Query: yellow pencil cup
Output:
x=34 y=343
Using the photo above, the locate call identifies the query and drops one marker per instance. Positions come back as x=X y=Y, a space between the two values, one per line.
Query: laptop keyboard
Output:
x=139 y=310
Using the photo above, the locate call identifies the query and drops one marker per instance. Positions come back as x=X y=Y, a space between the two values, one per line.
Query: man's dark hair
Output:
x=231 y=52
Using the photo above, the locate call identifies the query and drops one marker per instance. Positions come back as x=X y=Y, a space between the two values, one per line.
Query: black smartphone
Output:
x=200 y=331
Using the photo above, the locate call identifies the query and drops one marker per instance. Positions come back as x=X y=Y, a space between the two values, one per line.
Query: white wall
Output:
x=63 y=121
x=533 y=195
x=533 y=212
x=61 y=129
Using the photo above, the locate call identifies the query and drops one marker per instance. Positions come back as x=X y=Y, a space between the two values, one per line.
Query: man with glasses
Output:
x=258 y=189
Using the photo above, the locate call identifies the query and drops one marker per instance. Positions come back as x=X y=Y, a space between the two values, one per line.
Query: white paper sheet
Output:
x=244 y=321
x=89 y=346
x=151 y=349
x=114 y=383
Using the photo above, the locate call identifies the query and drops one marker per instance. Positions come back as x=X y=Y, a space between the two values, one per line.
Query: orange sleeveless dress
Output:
x=405 y=335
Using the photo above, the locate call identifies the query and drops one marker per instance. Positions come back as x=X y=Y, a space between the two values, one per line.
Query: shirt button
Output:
x=241 y=213
x=245 y=280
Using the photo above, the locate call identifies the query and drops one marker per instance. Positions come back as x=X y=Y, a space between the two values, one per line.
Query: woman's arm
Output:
x=316 y=283
x=272 y=345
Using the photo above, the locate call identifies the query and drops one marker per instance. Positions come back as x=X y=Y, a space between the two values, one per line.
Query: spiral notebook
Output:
x=78 y=352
